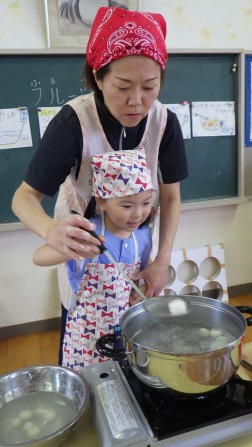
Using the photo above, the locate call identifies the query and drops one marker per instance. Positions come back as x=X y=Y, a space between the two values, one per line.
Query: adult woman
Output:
x=126 y=57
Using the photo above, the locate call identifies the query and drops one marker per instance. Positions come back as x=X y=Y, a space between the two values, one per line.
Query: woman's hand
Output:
x=134 y=296
x=156 y=273
x=155 y=276
x=71 y=236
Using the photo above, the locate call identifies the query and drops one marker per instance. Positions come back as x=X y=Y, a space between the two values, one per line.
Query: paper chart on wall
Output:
x=183 y=114
x=15 y=130
x=45 y=115
x=215 y=118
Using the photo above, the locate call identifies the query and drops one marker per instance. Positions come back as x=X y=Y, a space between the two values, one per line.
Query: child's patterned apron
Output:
x=102 y=298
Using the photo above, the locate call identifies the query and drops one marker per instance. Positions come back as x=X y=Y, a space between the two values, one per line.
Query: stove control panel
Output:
x=117 y=415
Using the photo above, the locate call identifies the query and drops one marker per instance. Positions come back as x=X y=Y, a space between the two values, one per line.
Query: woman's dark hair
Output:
x=91 y=211
x=90 y=81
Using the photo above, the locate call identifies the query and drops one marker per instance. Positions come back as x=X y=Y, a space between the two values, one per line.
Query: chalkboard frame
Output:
x=248 y=102
x=237 y=198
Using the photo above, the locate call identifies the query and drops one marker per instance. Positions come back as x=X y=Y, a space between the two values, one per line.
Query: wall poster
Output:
x=69 y=22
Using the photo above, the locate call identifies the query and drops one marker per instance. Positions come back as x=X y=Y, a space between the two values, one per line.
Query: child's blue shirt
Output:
x=122 y=250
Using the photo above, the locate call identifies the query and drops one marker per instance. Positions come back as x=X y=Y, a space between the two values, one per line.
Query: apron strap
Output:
x=132 y=234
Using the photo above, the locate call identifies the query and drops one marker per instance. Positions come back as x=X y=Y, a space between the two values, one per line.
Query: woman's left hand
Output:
x=155 y=276
x=135 y=297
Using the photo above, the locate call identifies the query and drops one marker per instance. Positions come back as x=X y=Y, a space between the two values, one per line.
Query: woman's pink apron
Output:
x=102 y=298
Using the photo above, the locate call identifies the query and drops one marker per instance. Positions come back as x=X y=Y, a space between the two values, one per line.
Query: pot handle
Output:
x=105 y=351
x=246 y=310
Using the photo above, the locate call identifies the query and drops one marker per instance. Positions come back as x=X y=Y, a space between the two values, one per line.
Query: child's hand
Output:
x=134 y=297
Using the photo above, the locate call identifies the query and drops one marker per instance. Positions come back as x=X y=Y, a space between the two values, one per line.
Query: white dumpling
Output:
x=177 y=307
x=25 y=415
x=204 y=331
x=28 y=425
x=16 y=422
x=215 y=333
x=34 y=432
x=50 y=415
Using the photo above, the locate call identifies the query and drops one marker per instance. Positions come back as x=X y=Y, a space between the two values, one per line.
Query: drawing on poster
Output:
x=215 y=118
x=182 y=111
x=77 y=16
x=15 y=128
x=45 y=115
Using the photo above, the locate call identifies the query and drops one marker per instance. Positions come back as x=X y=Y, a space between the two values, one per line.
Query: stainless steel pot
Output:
x=191 y=373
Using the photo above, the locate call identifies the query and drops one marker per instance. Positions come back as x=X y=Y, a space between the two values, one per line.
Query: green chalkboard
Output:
x=35 y=81
x=213 y=161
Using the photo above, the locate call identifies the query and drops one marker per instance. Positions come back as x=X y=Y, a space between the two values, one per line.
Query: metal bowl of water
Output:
x=39 y=405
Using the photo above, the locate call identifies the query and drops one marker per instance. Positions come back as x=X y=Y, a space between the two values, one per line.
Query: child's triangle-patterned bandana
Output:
x=120 y=174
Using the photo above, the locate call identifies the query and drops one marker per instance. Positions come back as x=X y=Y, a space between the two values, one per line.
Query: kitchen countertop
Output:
x=84 y=434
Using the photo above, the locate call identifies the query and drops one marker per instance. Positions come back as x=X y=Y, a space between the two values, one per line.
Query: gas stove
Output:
x=127 y=412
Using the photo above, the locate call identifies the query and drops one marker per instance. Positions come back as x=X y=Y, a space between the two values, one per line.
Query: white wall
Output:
x=29 y=293
x=230 y=225
x=205 y=24
x=22 y=24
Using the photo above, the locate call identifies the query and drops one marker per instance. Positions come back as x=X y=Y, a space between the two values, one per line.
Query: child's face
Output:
x=123 y=215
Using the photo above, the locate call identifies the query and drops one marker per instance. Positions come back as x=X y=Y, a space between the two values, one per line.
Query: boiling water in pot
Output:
x=189 y=338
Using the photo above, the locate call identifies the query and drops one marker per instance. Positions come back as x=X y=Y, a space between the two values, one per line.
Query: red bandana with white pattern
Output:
x=118 y=32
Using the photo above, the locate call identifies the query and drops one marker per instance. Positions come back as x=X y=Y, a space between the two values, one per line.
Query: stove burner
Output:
x=170 y=413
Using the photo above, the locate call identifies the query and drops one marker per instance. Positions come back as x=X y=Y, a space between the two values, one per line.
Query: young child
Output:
x=122 y=192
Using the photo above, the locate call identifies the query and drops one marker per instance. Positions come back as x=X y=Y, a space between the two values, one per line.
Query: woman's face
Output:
x=130 y=88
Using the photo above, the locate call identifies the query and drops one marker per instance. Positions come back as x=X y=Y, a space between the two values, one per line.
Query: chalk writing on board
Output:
x=15 y=128
x=45 y=115
x=50 y=93
x=183 y=114
x=213 y=118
